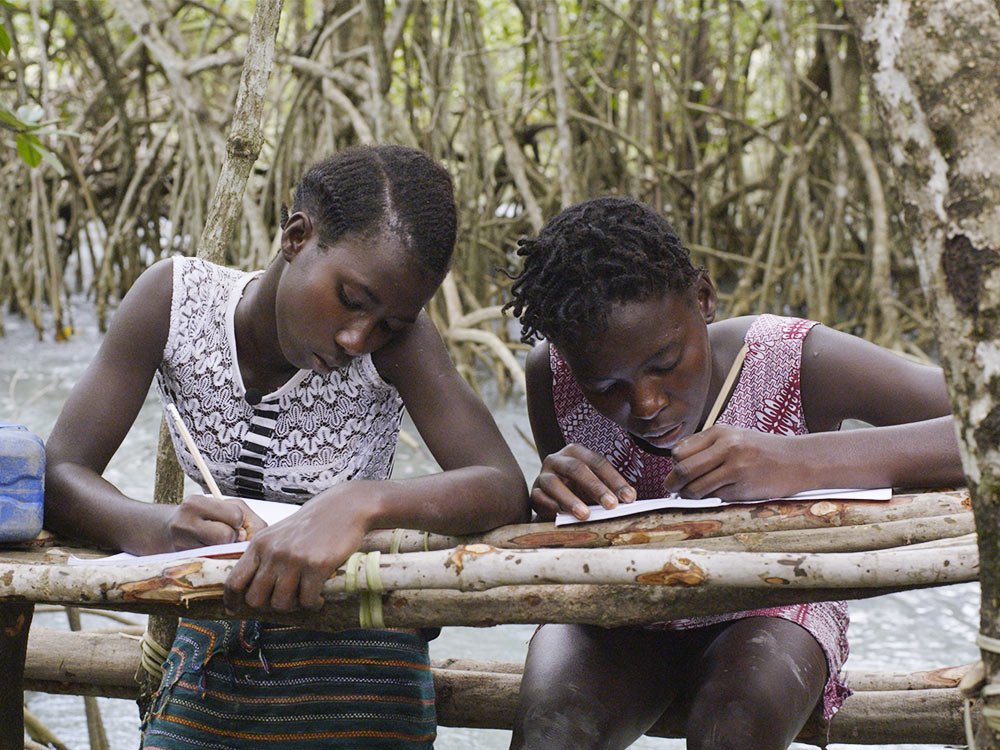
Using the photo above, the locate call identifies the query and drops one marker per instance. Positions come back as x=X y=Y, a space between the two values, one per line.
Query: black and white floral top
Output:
x=313 y=432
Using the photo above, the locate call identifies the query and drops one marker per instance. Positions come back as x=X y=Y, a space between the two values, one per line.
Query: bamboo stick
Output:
x=886 y=707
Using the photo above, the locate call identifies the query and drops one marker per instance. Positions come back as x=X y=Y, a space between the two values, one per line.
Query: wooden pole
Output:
x=15 y=620
x=886 y=708
x=536 y=586
x=670 y=528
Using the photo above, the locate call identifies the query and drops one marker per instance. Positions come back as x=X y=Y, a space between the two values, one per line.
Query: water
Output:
x=903 y=632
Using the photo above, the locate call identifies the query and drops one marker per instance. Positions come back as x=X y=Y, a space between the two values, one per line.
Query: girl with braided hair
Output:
x=631 y=363
x=293 y=380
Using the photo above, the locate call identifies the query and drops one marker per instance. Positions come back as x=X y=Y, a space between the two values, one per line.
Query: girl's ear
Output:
x=706 y=296
x=296 y=234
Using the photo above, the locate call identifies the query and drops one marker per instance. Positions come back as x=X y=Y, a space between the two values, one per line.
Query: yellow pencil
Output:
x=726 y=388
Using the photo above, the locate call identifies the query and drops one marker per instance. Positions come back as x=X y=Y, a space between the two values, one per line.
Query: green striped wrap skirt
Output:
x=242 y=684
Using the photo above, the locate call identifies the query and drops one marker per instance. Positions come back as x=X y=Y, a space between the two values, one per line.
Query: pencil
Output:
x=195 y=453
x=727 y=386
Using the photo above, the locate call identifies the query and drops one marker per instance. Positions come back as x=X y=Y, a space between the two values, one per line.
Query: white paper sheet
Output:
x=676 y=502
x=270 y=513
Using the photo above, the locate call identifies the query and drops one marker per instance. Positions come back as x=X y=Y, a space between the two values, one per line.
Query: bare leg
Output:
x=754 y=686
x=590 y=688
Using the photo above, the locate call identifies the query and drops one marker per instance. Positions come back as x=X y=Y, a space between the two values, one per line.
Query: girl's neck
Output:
x=258 y=352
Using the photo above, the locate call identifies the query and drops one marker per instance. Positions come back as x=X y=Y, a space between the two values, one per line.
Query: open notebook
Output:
x=269 y=512
x=676 y=502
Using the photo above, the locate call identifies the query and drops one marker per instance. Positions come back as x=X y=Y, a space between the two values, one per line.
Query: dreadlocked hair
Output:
x=597 y=253
x=369 y=190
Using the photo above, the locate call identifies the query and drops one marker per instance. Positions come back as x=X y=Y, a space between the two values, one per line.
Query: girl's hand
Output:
x=736 y=464
x=202 y=520
x=287 y=564
x=575 y=477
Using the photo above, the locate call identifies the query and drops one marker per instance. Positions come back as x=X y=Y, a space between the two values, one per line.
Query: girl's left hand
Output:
x=735 y=464
x=287 y=564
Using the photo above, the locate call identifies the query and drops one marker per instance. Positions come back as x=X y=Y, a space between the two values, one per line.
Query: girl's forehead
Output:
x=382 y=265
x=635 y=332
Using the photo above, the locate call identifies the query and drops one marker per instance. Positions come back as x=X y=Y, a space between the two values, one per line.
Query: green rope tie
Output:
x=370 y=597
x=152 y=655
x=397 y=538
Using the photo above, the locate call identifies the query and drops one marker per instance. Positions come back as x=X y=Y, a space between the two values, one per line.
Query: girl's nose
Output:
x=647 y=400
x=355 y=338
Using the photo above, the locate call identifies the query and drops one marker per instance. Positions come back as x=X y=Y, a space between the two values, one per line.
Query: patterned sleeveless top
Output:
x=313 y=432
x=767 y=397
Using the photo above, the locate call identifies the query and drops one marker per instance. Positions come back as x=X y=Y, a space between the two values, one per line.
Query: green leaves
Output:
x=30 y=149
x=26 y=122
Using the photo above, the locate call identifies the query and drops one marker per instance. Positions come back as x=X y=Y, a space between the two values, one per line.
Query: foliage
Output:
x=746 y=121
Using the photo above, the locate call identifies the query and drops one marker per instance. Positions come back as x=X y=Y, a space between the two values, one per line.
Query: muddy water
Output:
x=909 y=631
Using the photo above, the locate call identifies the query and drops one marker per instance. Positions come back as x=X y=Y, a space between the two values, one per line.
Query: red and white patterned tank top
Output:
x=766 y=398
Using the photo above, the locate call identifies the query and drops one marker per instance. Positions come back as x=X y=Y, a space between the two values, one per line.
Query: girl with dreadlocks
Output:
x=618 y=391
x=293 y=381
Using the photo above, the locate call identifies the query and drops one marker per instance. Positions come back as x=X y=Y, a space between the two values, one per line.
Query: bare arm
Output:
x=98 y=414
x=572 y=476
x=912 y=442
x=481 y=485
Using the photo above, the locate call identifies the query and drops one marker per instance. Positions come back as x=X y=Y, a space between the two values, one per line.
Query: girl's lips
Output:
x=666 y=439
x=320 y=365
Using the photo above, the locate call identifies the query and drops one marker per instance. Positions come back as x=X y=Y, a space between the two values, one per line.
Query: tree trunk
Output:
x=935 y=79
x=242 y=148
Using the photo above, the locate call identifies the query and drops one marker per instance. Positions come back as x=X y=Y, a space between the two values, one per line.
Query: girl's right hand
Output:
x=202 y=520
x=573 y=478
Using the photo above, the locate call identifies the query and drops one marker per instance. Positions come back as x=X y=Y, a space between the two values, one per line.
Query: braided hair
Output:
x=592 y=255
x=370 y=190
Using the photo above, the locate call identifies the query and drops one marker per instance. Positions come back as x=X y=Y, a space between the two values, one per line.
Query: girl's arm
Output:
x=99 y=412
x=912 y=443
x=480 y=487
x=571 y=476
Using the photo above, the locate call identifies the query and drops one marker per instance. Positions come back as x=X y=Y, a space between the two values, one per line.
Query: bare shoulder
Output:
x=541 y=406
x=142 y=321
x=537 y=366
x=104 y=402
x=727 y=336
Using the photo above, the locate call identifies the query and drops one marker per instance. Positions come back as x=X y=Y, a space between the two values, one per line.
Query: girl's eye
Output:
x=347 y=301
x=598 y=389
x=662 y=368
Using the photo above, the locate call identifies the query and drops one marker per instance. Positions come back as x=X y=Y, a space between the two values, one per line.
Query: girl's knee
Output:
x=548 y=726
x=744 y=723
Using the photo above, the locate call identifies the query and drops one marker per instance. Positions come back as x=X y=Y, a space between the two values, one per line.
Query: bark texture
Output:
x=936 y=77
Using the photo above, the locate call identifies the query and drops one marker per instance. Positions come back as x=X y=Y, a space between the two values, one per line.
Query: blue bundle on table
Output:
x=22 y=473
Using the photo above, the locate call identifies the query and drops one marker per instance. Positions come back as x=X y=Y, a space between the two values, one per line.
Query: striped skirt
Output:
x=239 y=684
